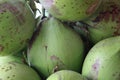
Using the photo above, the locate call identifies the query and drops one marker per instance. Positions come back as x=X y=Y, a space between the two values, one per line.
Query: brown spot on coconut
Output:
x=61 y=42
x=18 y=24
x=105 y=23
x=1 y=48
x=92 y=8
x=104 y=59
x=71 y=10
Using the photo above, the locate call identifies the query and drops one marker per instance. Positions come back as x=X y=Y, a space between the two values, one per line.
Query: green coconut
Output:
x=56 y=47
x=103 y=60
x=17 y=25
x=106 y=22
x=19 y=58
x=66 y=75
x=71 y=10
x=17 y=71
x=10 y=58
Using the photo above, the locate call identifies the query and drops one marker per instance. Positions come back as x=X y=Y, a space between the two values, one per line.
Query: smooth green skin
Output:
x=17 y=71
x=19 y=58
x=103 y=29
x=66 y=75
x=16 y=29
x=102 y=61
x=71 y=10
x=10 y=58
x=56 y=47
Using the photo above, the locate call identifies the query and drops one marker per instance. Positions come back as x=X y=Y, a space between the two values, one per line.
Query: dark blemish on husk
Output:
x=1 y=48
x=113 y=75
x=3 y=40
x=54 y=57
x=55 y=10
x=95 y=67
x=2 y=11
x=112 y=13
x=12 y=63
x=7 y=17
x=92 y=8
x=59 y=63
x=55 y=69
x=116 y=75
x=14 y=10
x=56 y=2
x=46 y=47
x=11 y=40
x=27 y=40
x=2 y=68
x=8 y=69
x=105 y=15
x=13 y=75
x=87 y=2
x=117 y=30
x=10 y=28
x=8 y=77
x=63 y=6
x=72 y=7
x=24 y=41
x=79 y=12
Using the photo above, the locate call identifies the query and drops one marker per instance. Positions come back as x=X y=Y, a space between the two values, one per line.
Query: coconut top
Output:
x=66 y=75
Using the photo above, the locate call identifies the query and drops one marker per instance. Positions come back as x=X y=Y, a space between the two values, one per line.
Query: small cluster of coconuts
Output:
x=78 y=40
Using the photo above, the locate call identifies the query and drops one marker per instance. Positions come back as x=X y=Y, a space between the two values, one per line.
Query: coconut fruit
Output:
x=103 y=60
x=19 y=58
x=71 y=10
x=10 y=58
x=17 y=71
x=66 y=75
x=56 y=47
x=105 y=22
x=17 y=25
